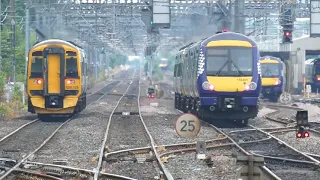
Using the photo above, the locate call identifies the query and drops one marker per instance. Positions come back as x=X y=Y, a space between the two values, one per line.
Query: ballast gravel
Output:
x=261 y=122
x=79 y=141
x=185 y=167
x=308 y=145
x=161 y=120
x=6 y=127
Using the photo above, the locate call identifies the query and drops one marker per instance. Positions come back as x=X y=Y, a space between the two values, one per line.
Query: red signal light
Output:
x=306 y=134
x=225 y=30
x=299 y=135
x=287 y=33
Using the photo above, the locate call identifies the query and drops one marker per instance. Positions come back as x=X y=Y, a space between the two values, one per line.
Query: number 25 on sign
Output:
x=187 y=125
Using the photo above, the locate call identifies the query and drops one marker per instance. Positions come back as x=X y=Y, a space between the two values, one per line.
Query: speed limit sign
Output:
x=188 y=125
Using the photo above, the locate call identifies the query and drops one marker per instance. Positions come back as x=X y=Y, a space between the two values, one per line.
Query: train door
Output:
x=53 y=61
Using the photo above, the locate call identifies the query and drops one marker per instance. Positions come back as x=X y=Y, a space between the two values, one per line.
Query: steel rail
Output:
x=18 y=129
x=78 y=169
x=284 y=143
x=103 y=146
x=165 y=146
x=43 y=143
x=163 y=168
x=239 y=147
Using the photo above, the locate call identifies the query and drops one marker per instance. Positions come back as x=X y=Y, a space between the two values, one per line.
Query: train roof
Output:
x=311 y=61
x=186 y=46
x=270 y=58
x=55 y=41
x=228 y=36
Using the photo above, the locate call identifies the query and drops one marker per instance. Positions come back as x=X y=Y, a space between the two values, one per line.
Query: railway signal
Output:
x=287 y=36
x=151 y=93
x=302 y=124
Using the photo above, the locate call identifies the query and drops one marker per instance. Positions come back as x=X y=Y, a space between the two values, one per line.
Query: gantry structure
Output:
x=118 y=25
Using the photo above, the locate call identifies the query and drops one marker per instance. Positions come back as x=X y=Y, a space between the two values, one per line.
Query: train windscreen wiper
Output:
x=223 y=66
x=239 y=71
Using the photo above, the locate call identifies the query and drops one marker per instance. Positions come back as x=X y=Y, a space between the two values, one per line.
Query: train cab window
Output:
x=229 y=61
x=270 y=70
x=71 y=68
x=36 y=68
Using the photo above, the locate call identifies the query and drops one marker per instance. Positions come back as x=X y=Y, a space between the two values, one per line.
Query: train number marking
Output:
x=72 y=87
x=187 y=125
x=241 y=79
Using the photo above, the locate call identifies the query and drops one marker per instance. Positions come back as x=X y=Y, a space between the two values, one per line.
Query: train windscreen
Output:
x=317 y=69
x=229 y=61
x=270 y=70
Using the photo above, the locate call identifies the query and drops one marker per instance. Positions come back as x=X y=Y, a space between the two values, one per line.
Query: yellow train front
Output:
x=273 y=72
x=56 y=79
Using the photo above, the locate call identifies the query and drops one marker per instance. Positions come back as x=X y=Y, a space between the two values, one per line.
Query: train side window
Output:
x=36 y=68
x=71 y=68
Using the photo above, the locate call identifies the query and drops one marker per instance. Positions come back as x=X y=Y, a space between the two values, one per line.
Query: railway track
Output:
x=127 y=113
x=20 y=146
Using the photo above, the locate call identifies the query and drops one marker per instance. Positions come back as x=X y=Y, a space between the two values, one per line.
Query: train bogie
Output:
x=57 y=78
x=273 y=72
x=218 y=78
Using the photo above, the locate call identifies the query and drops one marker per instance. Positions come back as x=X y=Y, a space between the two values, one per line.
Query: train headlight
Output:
x=38 y=81
x=251 y=86
x=277 y=82
x=70 y=81
x=318 y=78
x=207 y=86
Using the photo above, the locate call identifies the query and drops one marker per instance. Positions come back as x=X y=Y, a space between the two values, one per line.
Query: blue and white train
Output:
x=219 y=78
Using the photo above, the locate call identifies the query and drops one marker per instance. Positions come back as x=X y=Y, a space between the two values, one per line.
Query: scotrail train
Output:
x=273 y=72
x=312 y=70
x=219 y=78
x=163 y=64
x=57 y=78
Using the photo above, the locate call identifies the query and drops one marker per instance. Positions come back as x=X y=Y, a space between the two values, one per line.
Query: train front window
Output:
x=270 y=70
x=71 y=68
x=36 y=68
x=229 y=61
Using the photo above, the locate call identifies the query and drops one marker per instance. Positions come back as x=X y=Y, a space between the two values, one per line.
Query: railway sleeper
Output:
x=125 y=113
x=133 y=159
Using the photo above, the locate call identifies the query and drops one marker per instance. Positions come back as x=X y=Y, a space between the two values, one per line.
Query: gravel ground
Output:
x=247 y=136
x=273 y=148
x=143 y=171
x=161 y=120
x=309 y=145
x=127 y=132
x=7 y=127
x=27 y=140
x=79 y=141
x=261 y=122
x=287 y=172
x=185 y=166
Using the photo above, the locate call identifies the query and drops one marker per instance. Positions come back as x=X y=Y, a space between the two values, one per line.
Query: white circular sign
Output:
x=188 y=125
x=285 y=98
